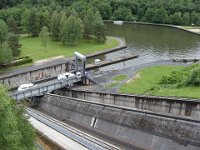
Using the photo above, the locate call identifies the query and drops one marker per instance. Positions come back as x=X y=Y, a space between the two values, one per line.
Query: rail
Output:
x=84 y=139
x=41 y=89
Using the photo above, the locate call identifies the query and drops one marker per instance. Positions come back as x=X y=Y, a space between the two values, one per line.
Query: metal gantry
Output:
x=54 y=84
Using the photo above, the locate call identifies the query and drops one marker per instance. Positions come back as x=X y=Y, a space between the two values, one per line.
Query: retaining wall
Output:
x=183 y=107
x=154 y=131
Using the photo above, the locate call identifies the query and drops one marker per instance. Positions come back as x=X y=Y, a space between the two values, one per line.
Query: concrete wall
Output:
x=35 y=74
x=183 y=107
x=154 y=131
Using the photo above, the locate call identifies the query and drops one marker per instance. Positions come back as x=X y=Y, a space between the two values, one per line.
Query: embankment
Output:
x=152 y=130
x=181 y=107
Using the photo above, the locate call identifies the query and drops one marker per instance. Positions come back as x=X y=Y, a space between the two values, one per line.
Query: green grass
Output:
x=147 y=83
x=112 y=85
x=32 y=47
x=120 y=77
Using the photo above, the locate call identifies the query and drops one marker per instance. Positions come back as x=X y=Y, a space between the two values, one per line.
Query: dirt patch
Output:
x=137 y=76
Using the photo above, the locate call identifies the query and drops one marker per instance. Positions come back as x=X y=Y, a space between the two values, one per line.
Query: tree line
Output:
x=68 y=25
x=178 y=12
x=9 y=44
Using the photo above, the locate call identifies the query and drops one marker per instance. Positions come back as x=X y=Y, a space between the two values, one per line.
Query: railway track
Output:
x=84 y=139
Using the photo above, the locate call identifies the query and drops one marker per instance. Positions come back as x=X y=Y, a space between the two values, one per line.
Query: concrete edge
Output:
x=157 y=24
x=146 y=112
x=144 y=96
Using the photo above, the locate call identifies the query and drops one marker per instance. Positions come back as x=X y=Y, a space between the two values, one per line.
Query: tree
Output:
x=12 y=25
x=160 y=15
x=123 y=13
x=3 y=31
x=99 y=28
x=72 y=31
x=32 y=23
x=105 y=10
x=15 y=130
x=62 y=20
x=176 y=18
x=25 y=20
x=44 y=35
x=81 y=7
x=186 y=19
x=13 y=41
x=5 y=53
x=55 y=26
x=88 y=22
x=46 y=19
x=194 y=18
x=149 y=15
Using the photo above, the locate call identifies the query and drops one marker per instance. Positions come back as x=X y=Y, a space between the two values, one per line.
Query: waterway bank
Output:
x=191 y=29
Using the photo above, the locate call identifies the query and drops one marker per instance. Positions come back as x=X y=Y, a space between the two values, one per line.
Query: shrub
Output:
x=174 y=78
x=23 y=60
x=194 y=78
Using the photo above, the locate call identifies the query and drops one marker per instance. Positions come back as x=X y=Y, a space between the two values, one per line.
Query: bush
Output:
x=194 y=78
x=174 y=78
x=22 y=60
x=188 y=76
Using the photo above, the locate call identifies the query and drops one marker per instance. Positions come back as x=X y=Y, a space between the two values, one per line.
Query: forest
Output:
x=177 y=12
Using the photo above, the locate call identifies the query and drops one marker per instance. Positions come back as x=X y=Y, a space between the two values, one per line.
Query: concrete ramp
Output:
x=151 y=130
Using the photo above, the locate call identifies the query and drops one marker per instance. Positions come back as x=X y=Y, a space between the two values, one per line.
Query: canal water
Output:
x=151 y=43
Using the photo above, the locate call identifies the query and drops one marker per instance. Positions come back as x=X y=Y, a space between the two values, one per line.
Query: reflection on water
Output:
x=152 y=43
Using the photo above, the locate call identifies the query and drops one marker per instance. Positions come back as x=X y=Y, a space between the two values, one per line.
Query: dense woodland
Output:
x=179 y=12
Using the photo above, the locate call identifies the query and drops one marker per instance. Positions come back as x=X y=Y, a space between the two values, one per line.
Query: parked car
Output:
x=71 y=75
x=25 y=87
x=65 y=75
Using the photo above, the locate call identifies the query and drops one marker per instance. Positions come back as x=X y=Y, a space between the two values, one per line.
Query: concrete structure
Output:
x=152 y=130
x=183 y=107
x=35 y=73
x=65 y=136
x=44 y=87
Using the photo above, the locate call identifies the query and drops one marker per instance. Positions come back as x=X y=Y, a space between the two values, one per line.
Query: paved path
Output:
x=106 y=78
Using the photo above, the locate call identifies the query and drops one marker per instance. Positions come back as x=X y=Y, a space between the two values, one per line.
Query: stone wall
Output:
x=183 y=107
x=152 y=130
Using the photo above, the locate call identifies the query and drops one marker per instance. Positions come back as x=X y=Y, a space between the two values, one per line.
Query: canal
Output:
x=151 y=43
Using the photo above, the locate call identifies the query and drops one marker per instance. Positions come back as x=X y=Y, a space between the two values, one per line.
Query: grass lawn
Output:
x=147 y=83
x=32 y=47
x=120 y=77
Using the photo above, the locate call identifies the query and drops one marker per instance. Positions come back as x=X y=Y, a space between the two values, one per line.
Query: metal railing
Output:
x=42 y=88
